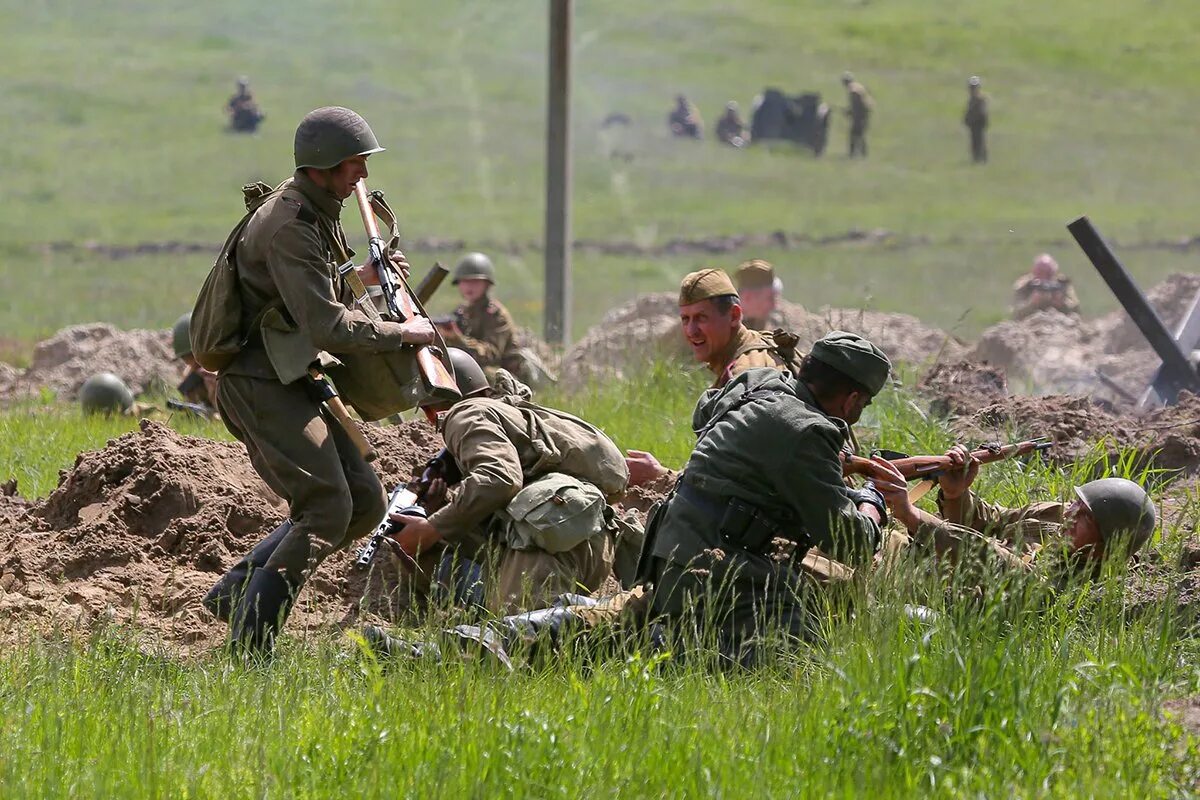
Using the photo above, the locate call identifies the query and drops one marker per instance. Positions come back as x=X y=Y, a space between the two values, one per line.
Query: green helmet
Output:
x=181 y=336
x=1119 y=506
x=467 y=373
x=105 y=394
x=328 y=136
x=475 y=265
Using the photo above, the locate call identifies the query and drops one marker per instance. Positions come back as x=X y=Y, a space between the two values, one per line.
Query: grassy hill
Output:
x=114 y=124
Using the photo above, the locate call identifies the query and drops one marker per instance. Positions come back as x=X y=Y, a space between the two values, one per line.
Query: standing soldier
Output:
x=481 y=325
x=288 y=272
x=859 y=111
x=730 y=128
x=684 y=120
x=244 y=113
x=976 y=119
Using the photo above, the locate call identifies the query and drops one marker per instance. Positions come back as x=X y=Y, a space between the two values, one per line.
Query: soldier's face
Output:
x=341 y=179
x=707 y=330
x=471 y=289
x=852 y=407
x=1083 y=531
x=758 y=303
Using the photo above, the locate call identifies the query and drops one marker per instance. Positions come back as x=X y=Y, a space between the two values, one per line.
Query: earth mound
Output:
x=962 y=387
x=142 y=358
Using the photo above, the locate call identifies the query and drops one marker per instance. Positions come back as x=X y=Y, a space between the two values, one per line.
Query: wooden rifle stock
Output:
x=917 y=467
x=439 y=383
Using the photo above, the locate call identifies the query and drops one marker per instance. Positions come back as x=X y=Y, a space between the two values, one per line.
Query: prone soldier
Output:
x=730 y=129
x=1043 y=288
x=684 y=120
x=242 y=108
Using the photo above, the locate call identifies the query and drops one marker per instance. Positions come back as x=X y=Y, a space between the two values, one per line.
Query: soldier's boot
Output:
x=225 y=594
x=262 y=611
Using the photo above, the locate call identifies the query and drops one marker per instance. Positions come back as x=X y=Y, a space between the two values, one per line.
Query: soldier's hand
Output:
x=894 y=488
x=956 y=481
x=416 y=535
x=435 y=495
x=368 y=274
x=418 y=330
x=643 y=467
x=400 y=262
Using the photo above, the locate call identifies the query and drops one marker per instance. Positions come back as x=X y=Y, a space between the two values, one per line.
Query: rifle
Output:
x=430 y=283
x=196 y=409
x=407 y=500
x=929 y=467
x=438 y=382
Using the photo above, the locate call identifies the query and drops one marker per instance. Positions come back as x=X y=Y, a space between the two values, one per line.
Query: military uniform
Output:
x=244 y=114
x=859 y=112
x=500 y=446
x=747 y=350
x=757 y=275
x=731 y=130
x=1031 y=295
x=976 y=120
x=488 y=334
x=766 y=465
x=684 y=120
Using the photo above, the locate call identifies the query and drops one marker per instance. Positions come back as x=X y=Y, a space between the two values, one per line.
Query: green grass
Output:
x=1011 y=693
x=114 y=134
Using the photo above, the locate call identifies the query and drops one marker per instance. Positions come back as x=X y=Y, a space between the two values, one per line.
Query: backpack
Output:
x=216 y=332
x=554 y=513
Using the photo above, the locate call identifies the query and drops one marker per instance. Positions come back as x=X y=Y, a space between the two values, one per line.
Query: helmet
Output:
x=475 y=265
x=847 y=77
x=467 y=373
x=180 y=336
x=328 y=136
x=974 y=81
x=1119 y=506
x=731 y=105
x=105 y=393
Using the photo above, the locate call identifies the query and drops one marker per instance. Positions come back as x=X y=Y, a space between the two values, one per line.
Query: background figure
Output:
x=243 y=110
x=684 y=120
x=1043 y=288
x=759 y=289
x=730 y=128
x=976 y=119
x=859 y=112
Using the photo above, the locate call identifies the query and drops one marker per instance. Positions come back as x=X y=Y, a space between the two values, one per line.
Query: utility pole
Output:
x=558 y=175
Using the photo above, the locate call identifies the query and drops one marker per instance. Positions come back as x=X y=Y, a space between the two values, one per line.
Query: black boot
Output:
x=223 y=597
x=262 y=611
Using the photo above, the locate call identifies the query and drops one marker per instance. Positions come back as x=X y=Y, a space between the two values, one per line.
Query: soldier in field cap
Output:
x=759 y=288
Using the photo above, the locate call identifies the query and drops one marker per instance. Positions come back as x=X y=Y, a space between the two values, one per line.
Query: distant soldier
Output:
x=481 y=325
x=199 y=386
x=243 y=111
x=684 y=120
x=105 y=393
x=859 y=112
x=976 y=119
x=1043 y=288
x=759 y=289
x=710 y=313
x=730 y=128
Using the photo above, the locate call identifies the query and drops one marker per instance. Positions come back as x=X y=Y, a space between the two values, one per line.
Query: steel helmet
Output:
x=467 y=373
x=475 y=266
x=1119 y=506
x=328 y=136
x=181 y=336
x=105 y=393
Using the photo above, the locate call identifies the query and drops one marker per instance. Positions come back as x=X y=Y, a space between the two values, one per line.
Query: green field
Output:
x=113 y=115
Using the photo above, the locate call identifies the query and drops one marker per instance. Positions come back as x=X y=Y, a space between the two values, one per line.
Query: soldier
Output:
x=244 y=113
x=481 y=325
x=533 y=497
x=105 y=393
x=859 y=112
x=684 y=120
x=287 y=259
x=759 y=289
x=1109 y=517
x=976 y=119
x=710 y=313
x=1043 y=288
x=767 y=464
x=199 y=386
x=730 y=128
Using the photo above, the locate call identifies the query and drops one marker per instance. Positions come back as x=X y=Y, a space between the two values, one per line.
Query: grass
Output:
x=122 y=141
x=1011 y=693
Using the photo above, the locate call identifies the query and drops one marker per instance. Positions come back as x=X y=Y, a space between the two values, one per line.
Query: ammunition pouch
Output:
x=738 y=523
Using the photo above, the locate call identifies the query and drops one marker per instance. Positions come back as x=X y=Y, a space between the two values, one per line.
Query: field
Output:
x=120 y=143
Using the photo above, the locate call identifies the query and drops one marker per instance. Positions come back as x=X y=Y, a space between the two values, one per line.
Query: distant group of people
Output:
x=684 y=119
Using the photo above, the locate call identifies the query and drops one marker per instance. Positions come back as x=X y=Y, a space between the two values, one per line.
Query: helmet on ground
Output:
x=475 y=266
x=467 y=373
x=105 y=393
x=181 y=336
x=1119 y=506
x=328 y=136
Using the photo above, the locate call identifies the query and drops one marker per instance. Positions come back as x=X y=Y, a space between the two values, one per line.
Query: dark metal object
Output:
x=1187 y=336
x=431 y=282
x=802 y=119
x=558 y=175
x=1176 y=372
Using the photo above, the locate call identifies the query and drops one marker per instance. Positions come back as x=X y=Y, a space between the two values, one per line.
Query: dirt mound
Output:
x=1172 y=298
x=1167 y=439
x=635 y=334
x=962 y=387
x=142 y=358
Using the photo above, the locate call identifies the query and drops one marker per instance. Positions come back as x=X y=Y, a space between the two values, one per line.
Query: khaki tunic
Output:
x=1028 y=299
x=861 y=104
x=286 y=257
x=747 y=350
x=500 y=444
x=730 y=127
x=976 y=115
x=488 y=334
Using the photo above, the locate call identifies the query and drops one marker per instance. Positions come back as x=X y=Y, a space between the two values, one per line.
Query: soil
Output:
x=961 y=388
x=143 y=359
